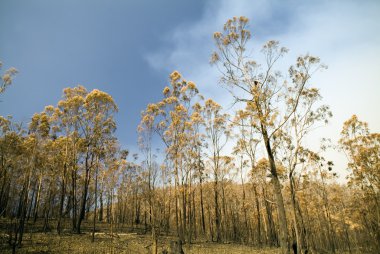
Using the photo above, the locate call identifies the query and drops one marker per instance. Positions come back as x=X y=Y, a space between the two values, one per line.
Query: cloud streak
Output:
x=343 y=34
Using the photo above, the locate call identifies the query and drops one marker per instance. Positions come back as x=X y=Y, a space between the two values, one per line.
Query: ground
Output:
x=35 y=241
x=121 y=243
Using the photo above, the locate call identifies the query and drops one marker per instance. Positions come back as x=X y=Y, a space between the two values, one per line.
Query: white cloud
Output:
x=193 y=44
x=343 y=33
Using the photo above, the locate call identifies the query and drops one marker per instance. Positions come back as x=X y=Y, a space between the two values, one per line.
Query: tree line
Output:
x=246 y=177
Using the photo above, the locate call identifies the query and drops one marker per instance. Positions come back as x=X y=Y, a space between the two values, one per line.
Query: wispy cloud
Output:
x=343 y=33
x=190 y=45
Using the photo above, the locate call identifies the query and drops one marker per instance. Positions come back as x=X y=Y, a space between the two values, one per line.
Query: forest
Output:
x=207 y=179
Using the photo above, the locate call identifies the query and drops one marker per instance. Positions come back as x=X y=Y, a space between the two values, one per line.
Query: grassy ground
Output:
x=126 y=241
x=121 y=243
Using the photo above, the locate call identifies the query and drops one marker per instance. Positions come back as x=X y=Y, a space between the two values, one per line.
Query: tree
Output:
x=260 y=89
x=83 y=125
x=260 y=179
x=292 y=152
x=146 y=132
x=246 y=146
x=217 y=134
x=363 y=152
x=11 y=149
x=97 y=125
x=170 y=119
x=67 y=124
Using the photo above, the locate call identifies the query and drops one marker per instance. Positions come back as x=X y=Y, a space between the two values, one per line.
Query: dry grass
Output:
x=123 y=243
x=228 y=248
x=126 y=241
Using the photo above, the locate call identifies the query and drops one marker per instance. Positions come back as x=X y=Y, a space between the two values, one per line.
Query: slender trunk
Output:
x=154 y=240
x=83 y=204
x=169 y=211
x=62 y=199
x=272 y=236
x=111 y=213
x=193 y=222
x=296 y=225
x=31 y=204
x=184 y=213
x=217 y=213
x=23 y=204
x=85 y=190
x=4 y=195
x=37 y=200
x=73 y=198
x=258 y=215
x=179 y=222
x=47 y=208
x=210 y=222
x=224 y=216
x=109 y=207
x=189 y=215
x=329 y=226
x=347 y=238
x=101 y=205
x=284 y=239
x=96 y=200
x=310 y=236
x=202 y=210
x=246 y=223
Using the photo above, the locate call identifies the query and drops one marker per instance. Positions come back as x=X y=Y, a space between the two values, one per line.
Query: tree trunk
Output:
x=61 y=200
x=37 y=200
x=202 y=207
x=284 y=239
x=258 y=216
x=101 y=205
x=82 y=210
x=217 y=213
x=23 y=204
x=96 y=202
x=271 y=232
x=74 y=199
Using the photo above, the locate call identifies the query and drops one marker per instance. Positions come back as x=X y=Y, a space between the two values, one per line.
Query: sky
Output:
x=128 y=48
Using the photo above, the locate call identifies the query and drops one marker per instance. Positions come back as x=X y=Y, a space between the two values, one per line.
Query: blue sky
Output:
x=128 y=49
x=98 y=44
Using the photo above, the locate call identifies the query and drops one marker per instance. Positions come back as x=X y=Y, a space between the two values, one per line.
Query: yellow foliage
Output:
x=191 y=85
x=174 y=76
x=171 y=100
x=152 y=108
x=166 y=91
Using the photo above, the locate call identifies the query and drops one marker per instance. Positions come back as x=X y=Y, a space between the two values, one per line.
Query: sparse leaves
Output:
x=7 y=78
